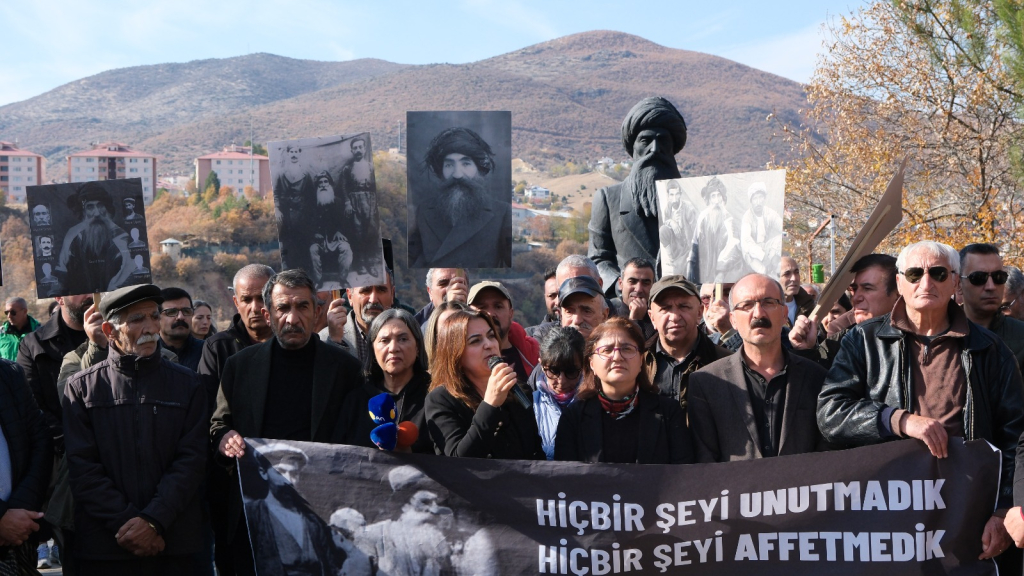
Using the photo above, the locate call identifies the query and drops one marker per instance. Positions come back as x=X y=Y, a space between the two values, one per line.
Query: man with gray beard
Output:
x=715 y=252
x=330 y=248
x=462 y=226
x=624 y=220
x=95 y=255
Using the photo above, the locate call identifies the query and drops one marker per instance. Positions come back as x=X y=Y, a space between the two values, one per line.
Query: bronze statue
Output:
x=624 y=220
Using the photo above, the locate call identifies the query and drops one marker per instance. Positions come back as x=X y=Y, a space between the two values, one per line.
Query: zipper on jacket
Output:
x=965 y=358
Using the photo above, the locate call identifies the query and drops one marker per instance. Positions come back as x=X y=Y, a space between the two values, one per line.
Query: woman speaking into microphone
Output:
x=471 y=408
x=618 y=416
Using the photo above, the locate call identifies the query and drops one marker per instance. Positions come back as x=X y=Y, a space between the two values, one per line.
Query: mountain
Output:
x=567 y=96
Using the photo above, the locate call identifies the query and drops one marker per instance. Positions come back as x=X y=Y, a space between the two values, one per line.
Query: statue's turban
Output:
x=654 y=112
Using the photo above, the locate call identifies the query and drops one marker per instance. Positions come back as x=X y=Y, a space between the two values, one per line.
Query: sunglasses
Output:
x=553 y=373
x=980 y=278
x=914 y=275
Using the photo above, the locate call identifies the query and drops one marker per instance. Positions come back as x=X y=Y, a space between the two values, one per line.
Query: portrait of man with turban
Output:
x=624 y=218
x=94 y=256
x=467 y=223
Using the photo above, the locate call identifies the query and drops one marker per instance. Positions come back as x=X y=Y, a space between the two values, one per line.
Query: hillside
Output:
x=567 y=97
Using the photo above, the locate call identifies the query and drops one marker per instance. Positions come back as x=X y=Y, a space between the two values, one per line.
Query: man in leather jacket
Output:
x=925 y=371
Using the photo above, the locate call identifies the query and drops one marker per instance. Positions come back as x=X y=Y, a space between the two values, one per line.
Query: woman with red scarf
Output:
x=618 y=416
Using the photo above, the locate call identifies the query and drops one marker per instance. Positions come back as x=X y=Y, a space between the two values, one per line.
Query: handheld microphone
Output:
x=408 y=434
x=382 y=408
x=385 y=436
x=521 y=396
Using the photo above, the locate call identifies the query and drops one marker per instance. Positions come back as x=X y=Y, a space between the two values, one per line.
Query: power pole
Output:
x=252 y=144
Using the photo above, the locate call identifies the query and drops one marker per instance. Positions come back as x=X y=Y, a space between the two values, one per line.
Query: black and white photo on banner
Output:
x=460 y=194
x=88 y=237
x=720 y=228
x=325 y=197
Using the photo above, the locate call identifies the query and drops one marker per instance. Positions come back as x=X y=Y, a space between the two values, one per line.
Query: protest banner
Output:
x=88 y=237
x=460 y=201
x=885 y=509
x=718 y=229
x=325 y=196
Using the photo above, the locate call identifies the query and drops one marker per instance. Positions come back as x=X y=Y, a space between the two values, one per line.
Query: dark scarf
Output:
x=618 y=409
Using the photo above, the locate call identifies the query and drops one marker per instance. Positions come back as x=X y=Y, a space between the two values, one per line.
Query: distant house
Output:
x=235 y=167
x=538 y=195
x=172 y=248
x=114 y=161
x=18 y=169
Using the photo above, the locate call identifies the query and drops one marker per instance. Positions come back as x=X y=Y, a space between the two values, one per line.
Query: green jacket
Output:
x=9 y=342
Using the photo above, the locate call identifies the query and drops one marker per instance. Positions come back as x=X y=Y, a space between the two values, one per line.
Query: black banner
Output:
x=886 y=509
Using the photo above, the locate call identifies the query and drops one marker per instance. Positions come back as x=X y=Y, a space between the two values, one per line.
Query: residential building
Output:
x=114 y=161
x=18 y=169
x=236 y=168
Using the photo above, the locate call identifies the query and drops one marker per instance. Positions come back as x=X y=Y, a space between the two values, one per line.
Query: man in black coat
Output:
x=680 y=347
x=41 y=353
x=760 y=401
x=248 y=327
x=136 y=448
x=288 y=388
x=25 y=441
x=624 y=220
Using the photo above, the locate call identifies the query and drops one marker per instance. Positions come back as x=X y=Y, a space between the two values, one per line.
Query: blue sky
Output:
x=47 y=44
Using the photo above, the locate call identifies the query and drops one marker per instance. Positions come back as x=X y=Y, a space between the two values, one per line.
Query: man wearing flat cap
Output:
x=135 y=434
x=624 y=220
x=94 y=256
x=462 y=226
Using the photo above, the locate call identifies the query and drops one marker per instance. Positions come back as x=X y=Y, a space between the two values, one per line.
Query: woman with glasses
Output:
x=555 y=381
x=202 y=320
x=398 y=366
x=470 y=409
x=618 y=416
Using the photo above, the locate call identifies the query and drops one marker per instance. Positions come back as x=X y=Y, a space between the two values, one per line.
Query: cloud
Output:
x=792 y=56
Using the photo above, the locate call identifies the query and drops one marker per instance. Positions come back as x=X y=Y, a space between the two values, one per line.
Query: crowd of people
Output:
x=121 y=420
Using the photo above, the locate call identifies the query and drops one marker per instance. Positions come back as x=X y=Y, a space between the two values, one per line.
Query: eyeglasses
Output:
x=553 y=373
x=172 y=312
x=979 y=278
x=766 y=304
x=1006 y=307
x=627 y=351
x=914 y=275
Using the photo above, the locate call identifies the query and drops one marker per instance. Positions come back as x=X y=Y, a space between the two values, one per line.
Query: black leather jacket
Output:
x=871 y=373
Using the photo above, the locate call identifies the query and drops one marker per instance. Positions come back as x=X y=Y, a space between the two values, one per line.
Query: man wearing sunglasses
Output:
x=982 y=283
x=176 y=328
x=756 y=402
x=681 y=347
x=925 y=371
x=17 y=326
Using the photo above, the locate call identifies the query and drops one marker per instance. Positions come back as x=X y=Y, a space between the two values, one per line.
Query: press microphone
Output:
x=408 y=434
x=385 y=436
x=382 y=408
x=521 y=396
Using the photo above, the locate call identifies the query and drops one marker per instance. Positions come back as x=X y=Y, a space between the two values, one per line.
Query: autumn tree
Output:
x=921 y=79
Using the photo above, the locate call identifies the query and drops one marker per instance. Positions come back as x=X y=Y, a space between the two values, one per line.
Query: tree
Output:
x=212 y=180
x=902 y=79
x=257 y=149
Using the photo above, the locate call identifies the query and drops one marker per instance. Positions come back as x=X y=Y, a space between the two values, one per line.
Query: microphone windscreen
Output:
x=408 y=433
x=385 y=436
x=382 y=408
x=494 y=361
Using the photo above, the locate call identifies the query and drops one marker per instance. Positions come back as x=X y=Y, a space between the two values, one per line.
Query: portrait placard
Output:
x=88 y=237
x=460 y=194
x=720 y=228
x=325 y=196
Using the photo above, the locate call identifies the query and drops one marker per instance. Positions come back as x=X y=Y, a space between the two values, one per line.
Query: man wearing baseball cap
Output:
x=135 y=433
x=517 y=349
x=680 y=347
x=582 y=304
